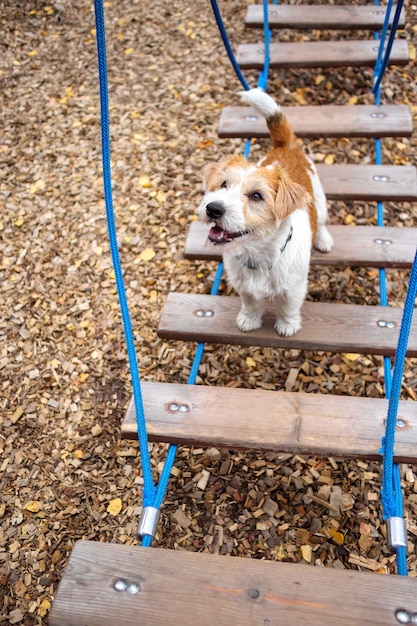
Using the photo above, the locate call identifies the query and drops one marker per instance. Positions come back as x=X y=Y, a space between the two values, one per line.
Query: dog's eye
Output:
x=256 y=196
x=223 y=185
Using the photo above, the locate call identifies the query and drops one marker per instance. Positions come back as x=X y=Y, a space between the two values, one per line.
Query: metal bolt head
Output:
x=250 y=118
x=120 y=585
x=133 y=588
x=253 y=593
x=183 y=408
x=402 y=616
x=173 y=406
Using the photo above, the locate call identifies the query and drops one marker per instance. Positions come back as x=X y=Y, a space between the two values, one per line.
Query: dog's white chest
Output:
x=258 y=279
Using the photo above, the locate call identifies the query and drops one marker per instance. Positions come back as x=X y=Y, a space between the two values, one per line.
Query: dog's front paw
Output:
x=324 y=240
x=287 y=327
x=248 y=321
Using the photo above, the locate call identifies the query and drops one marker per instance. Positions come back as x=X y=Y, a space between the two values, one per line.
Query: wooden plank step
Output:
x=296 y=423
x=179 y=588
x=332 y=17
x=309 y=54
x=329 y=120
x=326 y=326
x=370 y=246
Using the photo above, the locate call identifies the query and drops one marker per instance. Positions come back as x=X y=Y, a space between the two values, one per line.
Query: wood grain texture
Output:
x=310 y=54
x=335 y=17
x=326 y=326
x=369 y=246
x=180 y=588
x=329 y=120
x=369 y=182
x=297 y=423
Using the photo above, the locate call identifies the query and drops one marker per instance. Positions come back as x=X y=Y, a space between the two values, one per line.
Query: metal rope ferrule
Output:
x=396 y=533
x=149 y=522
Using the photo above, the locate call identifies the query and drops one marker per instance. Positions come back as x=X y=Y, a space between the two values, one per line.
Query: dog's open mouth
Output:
x=218 y=235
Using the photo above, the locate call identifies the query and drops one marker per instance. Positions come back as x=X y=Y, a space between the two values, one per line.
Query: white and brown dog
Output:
x=266 y=217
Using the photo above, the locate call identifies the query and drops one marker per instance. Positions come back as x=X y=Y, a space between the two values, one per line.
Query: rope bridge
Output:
x=117 y=567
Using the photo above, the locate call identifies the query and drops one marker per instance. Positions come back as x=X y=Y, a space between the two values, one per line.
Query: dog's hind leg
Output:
x=324 y=240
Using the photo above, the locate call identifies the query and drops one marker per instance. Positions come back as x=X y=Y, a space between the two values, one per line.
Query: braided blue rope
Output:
x=149 y=487
x=384 y=63
x=263 y=77
x=391 y=495
x=227 y=45
x=391 y=485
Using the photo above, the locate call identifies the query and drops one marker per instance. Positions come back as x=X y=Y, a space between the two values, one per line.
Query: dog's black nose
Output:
x=215 y=210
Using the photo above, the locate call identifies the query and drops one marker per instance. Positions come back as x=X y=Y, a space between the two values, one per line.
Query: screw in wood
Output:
x=133 y=588
x=383 y=242
x=202 y=313
x=402 y=616
x=385 y=324
x=120 y=585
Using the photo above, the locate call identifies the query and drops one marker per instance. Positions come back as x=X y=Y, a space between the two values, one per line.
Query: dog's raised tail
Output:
x=278 y=126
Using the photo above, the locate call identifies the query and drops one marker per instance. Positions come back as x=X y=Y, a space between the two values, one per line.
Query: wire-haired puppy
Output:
x=266 y=217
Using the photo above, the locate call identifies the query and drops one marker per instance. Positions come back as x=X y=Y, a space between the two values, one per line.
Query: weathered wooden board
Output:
x=333 y=17
x=346 y=181
x=326 y=326
x=309 y=54
x=298 y=423
x=369 y=246
x=329 y=120
x=179 y=588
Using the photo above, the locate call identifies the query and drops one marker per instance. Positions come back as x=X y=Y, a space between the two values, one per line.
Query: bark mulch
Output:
x=65 y=472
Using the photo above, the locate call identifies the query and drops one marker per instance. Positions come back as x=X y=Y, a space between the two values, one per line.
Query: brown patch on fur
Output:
x=215 y=173
x=281 y=131
x=296 y=164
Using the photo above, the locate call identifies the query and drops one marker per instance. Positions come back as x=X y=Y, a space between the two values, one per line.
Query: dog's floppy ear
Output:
x=289 y=197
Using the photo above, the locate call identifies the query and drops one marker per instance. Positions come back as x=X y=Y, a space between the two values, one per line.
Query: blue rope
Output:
x=227 y=45
x=384 y=63
x=263 y=77
x=391 y=494
x=149 y=487
x=391 y=485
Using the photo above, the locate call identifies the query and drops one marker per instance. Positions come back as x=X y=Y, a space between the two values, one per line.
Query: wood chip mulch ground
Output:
x=65 y=472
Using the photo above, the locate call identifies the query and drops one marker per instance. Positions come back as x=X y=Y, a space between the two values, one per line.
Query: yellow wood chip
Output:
x=306 y=552
x=147 y=254
x=337 y=537
x=115 y=506
x=78 y=454
x=352 y=356
x=39 y=185
x=144 y=181
x=34 y=506
x=44 y=607
x=250 y=362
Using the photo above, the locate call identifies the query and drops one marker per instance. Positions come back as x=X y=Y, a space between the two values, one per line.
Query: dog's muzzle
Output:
x=215 y=211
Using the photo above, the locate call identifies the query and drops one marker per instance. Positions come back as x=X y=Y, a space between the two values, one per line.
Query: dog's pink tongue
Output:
x=218 y=235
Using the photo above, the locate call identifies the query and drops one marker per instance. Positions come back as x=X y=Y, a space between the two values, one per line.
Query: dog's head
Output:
x=247 y=201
